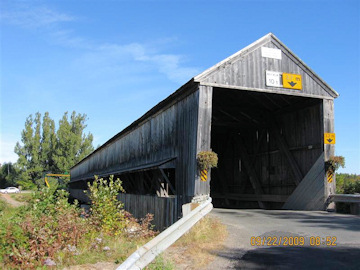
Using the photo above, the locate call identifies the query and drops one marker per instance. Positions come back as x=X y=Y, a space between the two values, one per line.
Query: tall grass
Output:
x=50 y=229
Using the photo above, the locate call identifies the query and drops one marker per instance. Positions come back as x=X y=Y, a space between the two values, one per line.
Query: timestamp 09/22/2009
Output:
x=317 y=241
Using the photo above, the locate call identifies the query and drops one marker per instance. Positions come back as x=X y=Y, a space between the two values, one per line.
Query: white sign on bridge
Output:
x=274 y=78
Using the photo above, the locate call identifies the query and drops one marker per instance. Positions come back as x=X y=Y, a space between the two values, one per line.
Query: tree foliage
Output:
x=45 y=149
x=7 y=175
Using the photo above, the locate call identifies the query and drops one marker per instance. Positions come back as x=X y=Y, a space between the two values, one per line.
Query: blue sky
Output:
x=114 y=60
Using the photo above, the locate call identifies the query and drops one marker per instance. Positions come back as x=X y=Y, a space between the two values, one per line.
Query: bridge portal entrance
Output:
x=266 y=144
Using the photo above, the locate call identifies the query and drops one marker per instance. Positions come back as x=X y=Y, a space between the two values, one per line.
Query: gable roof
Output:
x=205 y=76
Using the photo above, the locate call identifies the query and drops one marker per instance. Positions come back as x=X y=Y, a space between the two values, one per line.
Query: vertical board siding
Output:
x=186 y=136
x=248 y=70
x=204 y=134
x=329 y=149
x=163 y=209
x=165 y=135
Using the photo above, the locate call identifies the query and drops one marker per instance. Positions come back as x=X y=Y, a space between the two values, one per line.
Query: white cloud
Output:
x=98 y=57
x=137 y=58
x=34 y=17
x=67 y=39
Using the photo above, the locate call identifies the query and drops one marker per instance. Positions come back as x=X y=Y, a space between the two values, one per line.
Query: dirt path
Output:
x=11 y=201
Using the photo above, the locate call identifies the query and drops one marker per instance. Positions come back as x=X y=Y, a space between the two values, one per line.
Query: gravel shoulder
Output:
x=7 y=198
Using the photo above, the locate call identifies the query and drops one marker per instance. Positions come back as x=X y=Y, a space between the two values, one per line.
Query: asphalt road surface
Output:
x=276 y=239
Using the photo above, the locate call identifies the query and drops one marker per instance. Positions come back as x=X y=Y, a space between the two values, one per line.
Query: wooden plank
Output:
x=250 y=170
x=329 y=149
x=307 y=192
x=284 y=148
x=252 y=197
x=271 y=91
x=164 y=209
x=168 y=181
x=346 y=198
x=203 y=136
x=308 y=189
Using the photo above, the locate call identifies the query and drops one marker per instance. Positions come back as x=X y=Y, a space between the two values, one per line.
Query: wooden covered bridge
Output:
x=262 y=110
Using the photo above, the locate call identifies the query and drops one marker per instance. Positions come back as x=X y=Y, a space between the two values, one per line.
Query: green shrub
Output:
x=38 y=231
x=346 y=184
x=50 y=227
x=107 y=211
x=27 y=185
x=207 y=160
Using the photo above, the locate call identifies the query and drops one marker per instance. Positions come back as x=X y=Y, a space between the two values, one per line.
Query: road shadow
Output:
x=319 y=219
x=322 y=219
x=293 y=258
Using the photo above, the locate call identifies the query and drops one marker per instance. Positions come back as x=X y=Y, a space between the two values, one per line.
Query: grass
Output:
x=195 y=249
x=91 y=252
x=160 y=263
x=22 y=197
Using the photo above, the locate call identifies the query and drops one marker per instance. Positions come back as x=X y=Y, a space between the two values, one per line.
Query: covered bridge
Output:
x=262 y=110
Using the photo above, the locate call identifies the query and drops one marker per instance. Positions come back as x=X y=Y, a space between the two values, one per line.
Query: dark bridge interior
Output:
x=266 y=143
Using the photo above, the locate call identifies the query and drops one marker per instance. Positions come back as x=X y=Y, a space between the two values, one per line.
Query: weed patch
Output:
x=51 y=231
x=196 y=248
x=21 y=197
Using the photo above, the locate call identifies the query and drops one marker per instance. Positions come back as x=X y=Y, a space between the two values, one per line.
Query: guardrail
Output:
x=353 y=199
x=144 y=255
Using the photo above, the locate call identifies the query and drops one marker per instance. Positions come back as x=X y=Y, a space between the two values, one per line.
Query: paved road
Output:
x=238 y=252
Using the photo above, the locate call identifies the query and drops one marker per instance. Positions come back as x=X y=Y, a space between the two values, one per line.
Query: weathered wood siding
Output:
x=163 y=209
x=171 y=133
x=187 y=122
x=246 y=70
x=329 y=149
x=204 y=134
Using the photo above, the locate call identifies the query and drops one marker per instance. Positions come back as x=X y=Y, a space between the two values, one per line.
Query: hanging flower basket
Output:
x=207 y=160
x=334 y=163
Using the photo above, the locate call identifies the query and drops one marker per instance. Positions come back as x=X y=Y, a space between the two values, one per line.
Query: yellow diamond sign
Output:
x=292 y=81
x=329 y=138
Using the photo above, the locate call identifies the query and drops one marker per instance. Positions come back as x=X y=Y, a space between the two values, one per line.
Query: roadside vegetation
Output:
x=346 y=184
x=196 y=249
x=51 y=231
x=22 y=197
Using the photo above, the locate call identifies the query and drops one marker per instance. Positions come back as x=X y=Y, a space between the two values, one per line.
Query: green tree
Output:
x=44 y=149
x=28 y=161
x=48 y=143
x=7 y=175
x=72 y=144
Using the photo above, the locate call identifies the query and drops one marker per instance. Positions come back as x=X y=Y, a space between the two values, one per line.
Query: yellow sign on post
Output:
x=292 y=81
x=203 y=175
x=330 y=176
x=329 y=138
